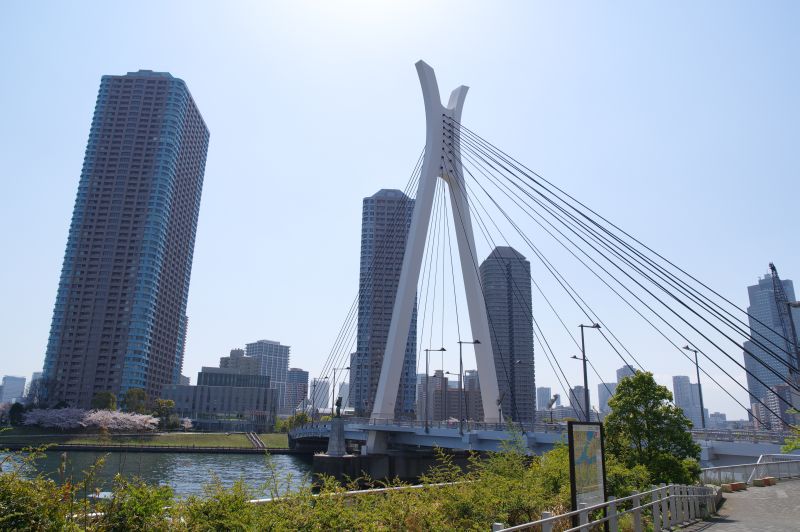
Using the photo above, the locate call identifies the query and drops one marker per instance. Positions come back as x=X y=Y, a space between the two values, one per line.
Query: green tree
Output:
x=104 y=401
x=15 y=414
x=644 y=428
x=164 y=408
x=135 y=400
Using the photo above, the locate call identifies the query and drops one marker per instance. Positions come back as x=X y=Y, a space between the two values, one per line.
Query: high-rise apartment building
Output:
x=780 y=416
x=604 y=392
x=770 y=366
x=120 y=314
x=320 y=393
x=543 y=396
x=296 y=387
x=239 y=361
x=506 y=282
x=625 y=371
x=33 y=394
x=686 y=396
x=385 y=220
x=577 y=400
x=13 y=389
x=344 y=393
x=273 y=362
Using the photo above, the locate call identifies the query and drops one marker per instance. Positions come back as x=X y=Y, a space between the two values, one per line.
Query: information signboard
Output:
x=587 y=468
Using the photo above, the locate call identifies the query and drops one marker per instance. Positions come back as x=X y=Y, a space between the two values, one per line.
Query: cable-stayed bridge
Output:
x=464 y=186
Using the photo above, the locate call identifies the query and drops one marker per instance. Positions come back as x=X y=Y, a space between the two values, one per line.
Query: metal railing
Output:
x=755 y=436
x=667 y=506
x=768 y=465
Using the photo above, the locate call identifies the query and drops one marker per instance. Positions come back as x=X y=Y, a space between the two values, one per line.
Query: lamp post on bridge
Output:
x=699 y=387
x=427 y=388
x=461 y=398
x=587 y=410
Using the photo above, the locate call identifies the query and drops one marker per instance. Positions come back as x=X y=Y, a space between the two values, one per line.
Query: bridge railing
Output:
x=756 y=436
x=766 y=466
x=667 y=506
x=454 y=424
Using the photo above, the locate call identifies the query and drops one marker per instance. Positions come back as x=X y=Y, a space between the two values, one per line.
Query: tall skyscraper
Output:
x=239 y=361
x=34 y=389
x=577 y=400
x=273 y=362
x=120 y=314
x=506 y=283
x=13 y=389
x=604 y=392
x=320 y=393
x=776 y=399
x=385 y=220
x=296 y=387
x=686 y=396
x=344 y=393
x=764 y=309
x=543 y=396
x=625 y=371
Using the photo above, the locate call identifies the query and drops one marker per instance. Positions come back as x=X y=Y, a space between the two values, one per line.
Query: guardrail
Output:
x=778 y=466
x=668 y=506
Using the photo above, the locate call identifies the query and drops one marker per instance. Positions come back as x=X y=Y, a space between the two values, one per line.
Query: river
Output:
x=186 y=473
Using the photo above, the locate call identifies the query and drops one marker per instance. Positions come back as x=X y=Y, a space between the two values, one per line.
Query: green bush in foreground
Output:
x=507 y=486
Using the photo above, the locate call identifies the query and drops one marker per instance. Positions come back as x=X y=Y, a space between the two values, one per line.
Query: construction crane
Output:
x=787 y=323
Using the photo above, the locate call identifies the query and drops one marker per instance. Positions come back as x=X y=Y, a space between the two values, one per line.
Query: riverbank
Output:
x=22 y=437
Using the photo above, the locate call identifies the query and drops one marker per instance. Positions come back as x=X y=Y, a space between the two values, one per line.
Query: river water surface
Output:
x=185 y=473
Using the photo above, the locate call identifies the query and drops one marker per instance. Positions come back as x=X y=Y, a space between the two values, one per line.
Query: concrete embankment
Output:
x=18 y=446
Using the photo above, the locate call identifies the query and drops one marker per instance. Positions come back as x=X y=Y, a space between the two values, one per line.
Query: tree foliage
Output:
x=507 y=486
x=104 y=401
x=135 y=400
x=163 y=409
x=793 y=443
x=16 y=413
x=297 y=420
x=103 y=420
x=645 y=429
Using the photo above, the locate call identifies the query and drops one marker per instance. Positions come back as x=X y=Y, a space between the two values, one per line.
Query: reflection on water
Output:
x=186 y=473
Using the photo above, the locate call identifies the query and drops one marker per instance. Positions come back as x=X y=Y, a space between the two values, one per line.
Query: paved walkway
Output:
x=770 y=509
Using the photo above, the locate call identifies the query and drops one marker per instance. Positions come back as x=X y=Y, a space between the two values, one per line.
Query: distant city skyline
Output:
x=630 y=120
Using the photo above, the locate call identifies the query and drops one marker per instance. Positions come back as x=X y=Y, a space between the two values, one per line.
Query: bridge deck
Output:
x=770 y=509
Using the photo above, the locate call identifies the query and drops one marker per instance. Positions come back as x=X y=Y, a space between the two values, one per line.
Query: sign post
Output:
x=587 y=467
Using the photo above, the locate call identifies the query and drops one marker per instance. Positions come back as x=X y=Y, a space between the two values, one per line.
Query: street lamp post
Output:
x=699 y=387
x=427 y=388
x=460 y=380
x=587 y=410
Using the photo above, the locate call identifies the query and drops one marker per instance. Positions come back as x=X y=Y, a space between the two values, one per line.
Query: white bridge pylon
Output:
x=442 y=160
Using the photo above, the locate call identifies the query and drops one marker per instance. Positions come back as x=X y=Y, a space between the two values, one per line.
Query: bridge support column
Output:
x=442 y=159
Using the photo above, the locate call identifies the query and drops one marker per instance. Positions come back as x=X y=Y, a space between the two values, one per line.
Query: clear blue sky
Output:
x=679 y=120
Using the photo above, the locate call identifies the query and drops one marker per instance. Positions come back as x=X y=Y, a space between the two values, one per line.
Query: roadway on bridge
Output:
x=769 y=509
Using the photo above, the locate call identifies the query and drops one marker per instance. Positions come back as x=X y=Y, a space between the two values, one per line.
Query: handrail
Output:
x=681 y=504
x=373 y=491
x=779 y=466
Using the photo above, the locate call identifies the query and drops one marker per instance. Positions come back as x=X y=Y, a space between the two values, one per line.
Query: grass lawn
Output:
x=36 y=437
x=275 y=441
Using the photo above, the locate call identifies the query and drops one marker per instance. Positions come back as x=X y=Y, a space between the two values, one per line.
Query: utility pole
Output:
x=587 y=410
